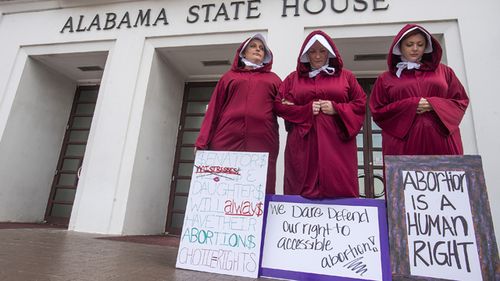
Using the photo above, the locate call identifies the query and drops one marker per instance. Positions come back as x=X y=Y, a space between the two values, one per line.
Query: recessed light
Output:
x=370 y=57
x=215 y=62
x=90 y=68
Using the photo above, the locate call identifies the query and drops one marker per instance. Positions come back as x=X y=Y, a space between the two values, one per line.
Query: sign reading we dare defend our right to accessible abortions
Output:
x=325 y=239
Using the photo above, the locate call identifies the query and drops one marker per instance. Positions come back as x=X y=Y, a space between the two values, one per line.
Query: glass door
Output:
x=194 y=105
x=369 y=141
x=66 y=176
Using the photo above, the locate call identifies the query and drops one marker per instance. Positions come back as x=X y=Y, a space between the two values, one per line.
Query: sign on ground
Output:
x=320 y=239
x=224 y=214
x=440 y=222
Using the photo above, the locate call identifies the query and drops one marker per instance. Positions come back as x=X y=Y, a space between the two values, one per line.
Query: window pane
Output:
x=85 y=108
x=79 y=136
x=379 y=187
x=183 y=186
x=361 y=172
x=187 y=153
x=361 y=181
x=193 y=122
x=75 y=150
x=377 y=158
x=67 y=179
x=189 y=137
x=359 y=140
x=377 y=140
x=65 y=195
x=360 y=158
x=88 y=95
x=185 y=169
x=196 y=107
x=180 y=203
x=59 y=210
x=71 y=164
x=378 y=173
x=81 y=123
x=200 y=93
x=177 y=220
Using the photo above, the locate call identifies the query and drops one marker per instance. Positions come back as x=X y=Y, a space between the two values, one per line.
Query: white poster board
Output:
x=315 y=240
x=440 y=223
x=441 y=238
x=222 y=228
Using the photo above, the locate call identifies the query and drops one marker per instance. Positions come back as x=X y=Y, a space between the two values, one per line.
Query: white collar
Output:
x=406 y=64
x=325 y=68
x=251 y=64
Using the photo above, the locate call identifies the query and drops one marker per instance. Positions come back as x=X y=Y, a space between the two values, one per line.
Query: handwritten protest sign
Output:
x=318 y=239
x=439 y=219
x=224 y=214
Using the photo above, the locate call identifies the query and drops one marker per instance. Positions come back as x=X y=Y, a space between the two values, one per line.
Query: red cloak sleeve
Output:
x=450 y=109
x=395 y=97
x=394 y=117
x=300 y=116
x=352 y=113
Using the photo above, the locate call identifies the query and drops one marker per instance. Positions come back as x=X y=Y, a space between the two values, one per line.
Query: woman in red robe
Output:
x=324 y=107
x=418 y=102
x=240 y=114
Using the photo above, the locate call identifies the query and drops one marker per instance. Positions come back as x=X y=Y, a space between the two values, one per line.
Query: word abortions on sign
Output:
x=224 y=214
x=440 y=219
x=315 y=240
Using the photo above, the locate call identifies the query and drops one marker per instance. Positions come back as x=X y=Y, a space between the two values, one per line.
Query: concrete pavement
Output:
x=51 y=254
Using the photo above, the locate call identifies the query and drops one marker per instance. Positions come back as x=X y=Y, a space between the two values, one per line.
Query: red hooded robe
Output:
x=240 y=114
x=394 y=101
x=321 y=151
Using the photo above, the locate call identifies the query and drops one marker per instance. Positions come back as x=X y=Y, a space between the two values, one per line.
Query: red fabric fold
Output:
x=321 y=151
x=394 y=102
x=240 y=115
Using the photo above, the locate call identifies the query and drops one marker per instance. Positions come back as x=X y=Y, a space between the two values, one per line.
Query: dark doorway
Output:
x=195 y=101
x=62 y=194
x=370 y=165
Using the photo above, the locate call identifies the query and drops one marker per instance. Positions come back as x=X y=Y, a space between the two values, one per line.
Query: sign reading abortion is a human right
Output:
x=439 y=219
x=224 y=214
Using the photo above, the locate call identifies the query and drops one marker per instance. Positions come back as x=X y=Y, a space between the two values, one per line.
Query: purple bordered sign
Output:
x=440 y=222
x=319 y=239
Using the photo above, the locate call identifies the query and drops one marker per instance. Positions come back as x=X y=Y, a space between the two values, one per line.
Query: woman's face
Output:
x=317 y=55
x=413 y=47
x=255 y=51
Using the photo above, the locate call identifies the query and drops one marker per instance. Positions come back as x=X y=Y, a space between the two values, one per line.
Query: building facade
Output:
x=100 y=101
